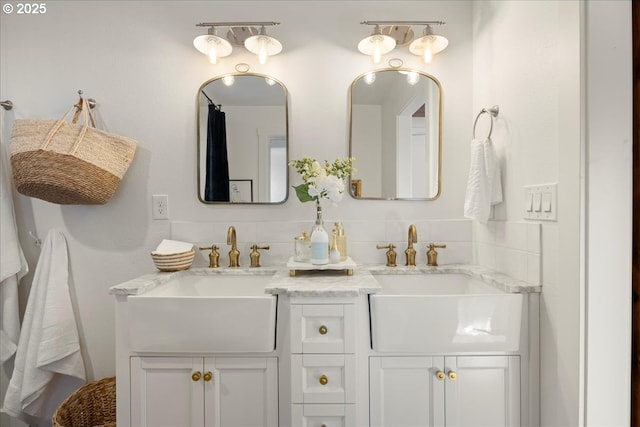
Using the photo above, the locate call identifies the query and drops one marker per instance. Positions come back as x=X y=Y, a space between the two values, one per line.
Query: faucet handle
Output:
x=255 y=255
x=432 y=254
x=214 y=255
x=391 y=254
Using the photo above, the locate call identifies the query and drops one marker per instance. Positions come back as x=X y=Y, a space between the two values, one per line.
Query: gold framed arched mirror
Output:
x=243 y=139
x=395 y=135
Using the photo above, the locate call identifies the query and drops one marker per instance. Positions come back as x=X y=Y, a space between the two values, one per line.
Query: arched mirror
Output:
x=242 y=140
x=395 y=135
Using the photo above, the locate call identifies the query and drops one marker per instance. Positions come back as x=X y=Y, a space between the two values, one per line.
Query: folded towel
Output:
x=168 y=247
x=49 y=345
x=13 y=265
x=484 y=186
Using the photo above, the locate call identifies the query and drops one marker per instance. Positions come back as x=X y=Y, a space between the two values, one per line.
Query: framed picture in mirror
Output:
x=241 y=190
x=356 y=187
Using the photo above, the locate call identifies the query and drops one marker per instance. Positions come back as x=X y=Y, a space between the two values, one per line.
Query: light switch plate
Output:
x=541 y=202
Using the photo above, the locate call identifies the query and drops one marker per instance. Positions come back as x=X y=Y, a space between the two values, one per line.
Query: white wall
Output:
x=526 y=60
x=609 y=124
x=137 y=60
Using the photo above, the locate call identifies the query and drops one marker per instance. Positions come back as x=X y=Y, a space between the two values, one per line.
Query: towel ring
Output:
x=493 y=111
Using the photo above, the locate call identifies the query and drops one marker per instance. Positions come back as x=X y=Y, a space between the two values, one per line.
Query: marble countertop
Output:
x=328 y=283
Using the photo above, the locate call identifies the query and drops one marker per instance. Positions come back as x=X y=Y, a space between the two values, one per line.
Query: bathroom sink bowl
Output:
x=443 y=313
x=212 y=314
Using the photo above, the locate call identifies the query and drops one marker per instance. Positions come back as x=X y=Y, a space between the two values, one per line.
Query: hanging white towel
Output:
x=49 y=345
x=484 y=186
x=13 y=265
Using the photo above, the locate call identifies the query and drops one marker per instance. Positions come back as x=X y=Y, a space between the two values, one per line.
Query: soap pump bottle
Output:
x=319 y=240
x=342 y=241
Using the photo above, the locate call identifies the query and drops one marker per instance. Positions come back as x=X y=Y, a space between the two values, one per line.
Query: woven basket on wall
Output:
x=65 y=163
x=92 y=405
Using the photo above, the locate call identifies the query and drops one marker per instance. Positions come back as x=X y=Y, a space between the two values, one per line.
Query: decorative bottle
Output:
x=334 y=253
x=319 y=240
x=342 y=241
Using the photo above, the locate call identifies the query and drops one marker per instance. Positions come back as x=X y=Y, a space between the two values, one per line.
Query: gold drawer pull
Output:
x=196 y=376
x=323 y=330
x=324 y=380
x=208 y=376
x=440 y=375
x=453 y=376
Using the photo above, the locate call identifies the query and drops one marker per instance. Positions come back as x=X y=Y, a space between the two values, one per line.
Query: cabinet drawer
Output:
x=323 y=328
x=323 y=415
x=323 y=378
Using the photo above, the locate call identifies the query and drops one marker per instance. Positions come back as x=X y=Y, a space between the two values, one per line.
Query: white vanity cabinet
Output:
x=323 y=371
x=204 y=391
x=452 y=391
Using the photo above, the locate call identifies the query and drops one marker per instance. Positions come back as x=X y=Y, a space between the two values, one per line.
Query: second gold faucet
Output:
x=410 y=252
x=234 y=253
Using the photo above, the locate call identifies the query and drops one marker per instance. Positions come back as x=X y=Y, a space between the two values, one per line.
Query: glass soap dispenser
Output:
x=341 y=241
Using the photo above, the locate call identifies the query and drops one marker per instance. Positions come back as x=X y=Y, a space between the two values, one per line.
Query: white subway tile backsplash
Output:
x=533 y=238
x=533 y=269
x=516 y=235
x=513 y=248
x=449 y=231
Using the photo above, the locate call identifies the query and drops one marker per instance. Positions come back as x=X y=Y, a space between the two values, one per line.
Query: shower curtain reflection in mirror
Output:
x=217 y=169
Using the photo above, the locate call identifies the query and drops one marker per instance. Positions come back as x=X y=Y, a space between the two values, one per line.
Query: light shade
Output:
x=213 y=46
x=376 y=45
x=263 y=45
x=428 y=45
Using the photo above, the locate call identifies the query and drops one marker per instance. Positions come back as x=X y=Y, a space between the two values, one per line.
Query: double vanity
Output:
x=451 y=345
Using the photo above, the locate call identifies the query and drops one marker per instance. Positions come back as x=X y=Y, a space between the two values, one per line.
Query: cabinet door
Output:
x=483 y=392
x=163 y=392
x=242 y=393
x=406 y=392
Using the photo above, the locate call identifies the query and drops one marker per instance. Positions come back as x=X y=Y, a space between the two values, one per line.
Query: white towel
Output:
x=13 y=265
x=49 y=345
x=484 y=187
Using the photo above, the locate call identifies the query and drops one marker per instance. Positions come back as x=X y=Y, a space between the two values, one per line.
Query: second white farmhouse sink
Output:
x=204 y=313
x=443 y=313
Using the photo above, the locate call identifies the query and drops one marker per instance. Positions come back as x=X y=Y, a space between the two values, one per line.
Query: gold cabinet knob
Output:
x=196 y=376
x=323 y=330
x=453 y=376
x=208 y=376
x=440 y=375
x=324 y=380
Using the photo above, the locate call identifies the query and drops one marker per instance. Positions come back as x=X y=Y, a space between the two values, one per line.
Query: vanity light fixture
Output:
x=401 y=34
x=239 y=34
x=263 y=45
x=376 y=45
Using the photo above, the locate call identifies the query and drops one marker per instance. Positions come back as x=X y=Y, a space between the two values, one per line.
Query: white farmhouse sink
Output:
x=204 y=313
x=443 y=313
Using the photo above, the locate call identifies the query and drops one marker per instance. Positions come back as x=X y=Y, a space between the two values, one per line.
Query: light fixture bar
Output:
x=403 y=23
x=238 y=24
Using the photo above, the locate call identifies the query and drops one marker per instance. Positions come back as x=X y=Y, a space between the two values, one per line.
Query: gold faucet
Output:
x=410 y=252
x=391 y=254
x=214 y=255
x=432 y=254
x=255 y=255
x=234 y=253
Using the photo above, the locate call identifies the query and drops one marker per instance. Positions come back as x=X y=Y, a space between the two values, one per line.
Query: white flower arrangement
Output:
x=322 y=182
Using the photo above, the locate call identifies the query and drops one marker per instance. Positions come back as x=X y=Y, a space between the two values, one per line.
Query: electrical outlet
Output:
x=160 y=204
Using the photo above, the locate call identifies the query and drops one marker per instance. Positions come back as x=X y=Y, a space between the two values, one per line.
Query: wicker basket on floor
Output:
x=92 y=405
